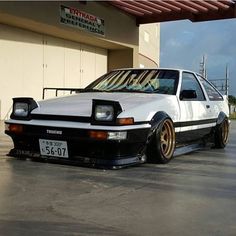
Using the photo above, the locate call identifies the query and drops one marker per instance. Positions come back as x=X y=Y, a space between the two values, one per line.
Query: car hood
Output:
x=81 y=104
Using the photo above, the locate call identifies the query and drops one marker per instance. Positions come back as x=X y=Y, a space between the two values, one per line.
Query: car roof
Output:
x=160 y=68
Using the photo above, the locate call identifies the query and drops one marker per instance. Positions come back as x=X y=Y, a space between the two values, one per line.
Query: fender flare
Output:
x=219 y=131
x=221 y=118
x=155 y=124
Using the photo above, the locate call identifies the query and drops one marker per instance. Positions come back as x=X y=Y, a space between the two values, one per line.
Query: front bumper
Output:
x=82 y=149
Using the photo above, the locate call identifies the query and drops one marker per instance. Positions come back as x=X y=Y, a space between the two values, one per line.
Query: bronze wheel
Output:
x=167 y=139
x=162 y=145
x=225 y=131
x=222 y=134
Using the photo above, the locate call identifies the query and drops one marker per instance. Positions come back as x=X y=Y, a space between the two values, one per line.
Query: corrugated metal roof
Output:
x=170 y=10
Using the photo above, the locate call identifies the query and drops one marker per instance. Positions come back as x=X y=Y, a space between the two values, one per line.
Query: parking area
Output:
x=195 y=194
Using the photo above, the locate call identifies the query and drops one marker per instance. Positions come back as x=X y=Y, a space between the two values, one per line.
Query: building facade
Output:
x=149 y=45
x=67 y=44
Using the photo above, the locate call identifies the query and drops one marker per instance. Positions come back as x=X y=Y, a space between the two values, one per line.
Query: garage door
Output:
x=30 y=61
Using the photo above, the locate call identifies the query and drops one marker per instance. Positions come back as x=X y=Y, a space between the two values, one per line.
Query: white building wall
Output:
x=21 y=63
x=149 y=45
x=30 y=61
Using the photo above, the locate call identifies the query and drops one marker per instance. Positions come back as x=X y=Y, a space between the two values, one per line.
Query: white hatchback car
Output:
x=125 y=117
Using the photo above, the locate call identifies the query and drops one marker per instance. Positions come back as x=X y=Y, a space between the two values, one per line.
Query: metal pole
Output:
x=227 y=81
x=202 y=70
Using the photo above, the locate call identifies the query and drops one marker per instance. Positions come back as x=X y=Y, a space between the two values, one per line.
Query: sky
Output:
x=184 y=43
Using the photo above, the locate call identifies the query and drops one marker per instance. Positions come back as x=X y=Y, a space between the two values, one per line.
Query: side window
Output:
x=190 y=82
x=212 y=93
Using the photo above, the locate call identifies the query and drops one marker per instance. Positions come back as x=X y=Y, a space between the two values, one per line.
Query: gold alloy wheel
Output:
x=225 y=131
x=167 y=139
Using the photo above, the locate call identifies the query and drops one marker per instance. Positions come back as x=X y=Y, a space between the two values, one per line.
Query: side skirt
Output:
x=193 y=140
x=188 y=148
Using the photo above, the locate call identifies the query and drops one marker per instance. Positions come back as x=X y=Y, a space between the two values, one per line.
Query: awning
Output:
x=171 y=10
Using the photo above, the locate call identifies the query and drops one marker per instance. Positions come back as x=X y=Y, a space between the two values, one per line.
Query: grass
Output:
x=233 y=116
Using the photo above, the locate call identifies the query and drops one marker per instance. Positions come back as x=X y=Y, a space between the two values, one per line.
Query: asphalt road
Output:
x=193 y=195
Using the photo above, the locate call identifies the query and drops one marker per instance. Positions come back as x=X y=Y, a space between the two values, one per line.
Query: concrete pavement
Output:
x=195 y=194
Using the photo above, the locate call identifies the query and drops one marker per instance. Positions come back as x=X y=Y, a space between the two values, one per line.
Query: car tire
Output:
x=222 y=134
x=162 y=146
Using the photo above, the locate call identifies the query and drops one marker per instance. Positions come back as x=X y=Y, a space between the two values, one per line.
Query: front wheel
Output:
x=162 y=146
x=222 y=134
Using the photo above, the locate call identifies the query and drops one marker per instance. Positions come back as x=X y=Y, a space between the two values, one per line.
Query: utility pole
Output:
x=227 y=80
x=202 y=70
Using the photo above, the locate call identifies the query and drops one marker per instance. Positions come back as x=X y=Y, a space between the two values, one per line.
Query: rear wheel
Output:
x=162 y=146
x=222 y=134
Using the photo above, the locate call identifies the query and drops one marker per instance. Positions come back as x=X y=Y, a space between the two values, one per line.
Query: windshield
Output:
x=144 y=81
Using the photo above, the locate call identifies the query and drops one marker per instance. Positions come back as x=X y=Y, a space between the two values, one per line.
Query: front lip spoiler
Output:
x=79 y=160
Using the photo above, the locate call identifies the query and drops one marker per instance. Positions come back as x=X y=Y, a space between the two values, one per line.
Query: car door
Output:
x=196 y=112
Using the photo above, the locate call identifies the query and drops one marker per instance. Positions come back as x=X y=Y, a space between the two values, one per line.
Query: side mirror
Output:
x=188 y=94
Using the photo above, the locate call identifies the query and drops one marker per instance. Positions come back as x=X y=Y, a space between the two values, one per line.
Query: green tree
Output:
x=232 y=100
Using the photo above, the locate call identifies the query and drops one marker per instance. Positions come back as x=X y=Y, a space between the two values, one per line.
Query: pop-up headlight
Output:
x=22 y=108
x=104 y=113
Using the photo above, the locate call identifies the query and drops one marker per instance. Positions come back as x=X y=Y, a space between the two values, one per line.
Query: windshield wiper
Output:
x=124 y=90
x=129 y=91
x=121 y=90
x=108 y=91
x=90 y=90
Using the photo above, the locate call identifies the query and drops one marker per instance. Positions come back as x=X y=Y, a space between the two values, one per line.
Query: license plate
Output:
x=53 y=148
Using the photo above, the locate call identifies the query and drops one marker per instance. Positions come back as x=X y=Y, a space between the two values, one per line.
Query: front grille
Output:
x=82 y=119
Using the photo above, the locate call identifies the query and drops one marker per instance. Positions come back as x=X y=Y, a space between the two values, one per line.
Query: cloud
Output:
x=173 y=43
x=183 y=44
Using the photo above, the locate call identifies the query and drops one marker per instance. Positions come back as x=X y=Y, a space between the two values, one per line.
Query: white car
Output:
x=125 y=117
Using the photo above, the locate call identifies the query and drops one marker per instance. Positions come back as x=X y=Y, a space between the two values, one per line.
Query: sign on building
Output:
x=82 y=20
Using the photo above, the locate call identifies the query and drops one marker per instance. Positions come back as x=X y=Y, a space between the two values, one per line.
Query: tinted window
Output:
x=212 y=93
x=190 y=82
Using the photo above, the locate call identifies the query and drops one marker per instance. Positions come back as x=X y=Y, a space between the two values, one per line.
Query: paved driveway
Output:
x=195 y=194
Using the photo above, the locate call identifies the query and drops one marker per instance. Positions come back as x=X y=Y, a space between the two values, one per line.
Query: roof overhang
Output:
x=170 y=10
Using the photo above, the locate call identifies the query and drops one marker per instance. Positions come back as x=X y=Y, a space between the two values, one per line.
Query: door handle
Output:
x=208 y=106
